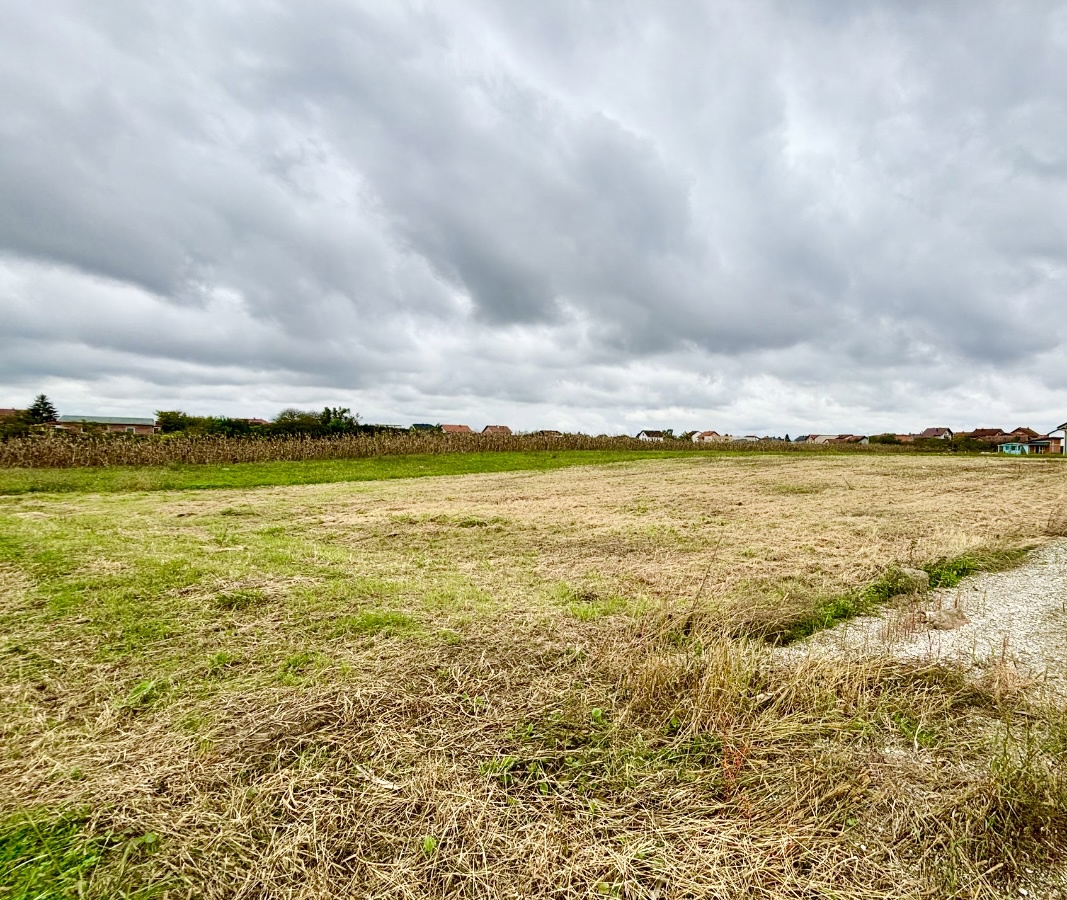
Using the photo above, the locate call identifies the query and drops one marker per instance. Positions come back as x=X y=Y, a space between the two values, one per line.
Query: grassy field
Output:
x=556 y=683
x=176 y=477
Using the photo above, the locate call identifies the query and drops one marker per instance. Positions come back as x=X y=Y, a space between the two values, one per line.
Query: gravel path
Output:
x=1017 y=618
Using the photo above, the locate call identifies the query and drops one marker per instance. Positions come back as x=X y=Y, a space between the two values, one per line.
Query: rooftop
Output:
x=105 y=420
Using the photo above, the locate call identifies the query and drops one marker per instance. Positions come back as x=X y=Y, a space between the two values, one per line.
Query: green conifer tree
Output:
x=42 y=411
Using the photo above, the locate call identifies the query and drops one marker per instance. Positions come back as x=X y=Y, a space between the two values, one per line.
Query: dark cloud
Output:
x=753 y=215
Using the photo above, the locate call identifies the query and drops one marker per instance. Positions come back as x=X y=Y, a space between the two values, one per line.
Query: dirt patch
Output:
x=1011 y=621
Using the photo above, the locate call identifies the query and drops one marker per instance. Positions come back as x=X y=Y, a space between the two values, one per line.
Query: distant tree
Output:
x=221 y=425
x=291 y=415
x=298 y=421
x=932 y=445
x=686 y=436
x=17 y=425
x=171 y=420
x=332 y=420
x=968 y=444
x=41 y=411
x=888 y=438
x=174 y=421
x=787 y=436
x=339 y=419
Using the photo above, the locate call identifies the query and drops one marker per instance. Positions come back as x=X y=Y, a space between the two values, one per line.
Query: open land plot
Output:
x=515 y=684
x=181 y=476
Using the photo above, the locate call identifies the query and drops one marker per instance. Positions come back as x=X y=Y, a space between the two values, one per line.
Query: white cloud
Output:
x=742 y=215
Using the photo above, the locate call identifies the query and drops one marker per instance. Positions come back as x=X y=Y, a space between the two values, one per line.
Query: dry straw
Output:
x=535 y=750
x=70 y=450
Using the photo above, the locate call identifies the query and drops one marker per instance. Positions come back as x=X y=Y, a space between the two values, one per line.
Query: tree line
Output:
x=332 y=421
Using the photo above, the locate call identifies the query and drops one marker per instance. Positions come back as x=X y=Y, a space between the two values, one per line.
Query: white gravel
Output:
x=1016 y=618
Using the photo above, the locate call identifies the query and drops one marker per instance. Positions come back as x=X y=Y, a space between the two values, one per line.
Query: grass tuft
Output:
x=44 y=858
x=46 y=855
x=372 y=622
x=949 y=571
x=242 y=598
x=146 y=693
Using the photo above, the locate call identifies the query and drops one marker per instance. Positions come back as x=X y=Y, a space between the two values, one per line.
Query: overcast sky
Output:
x=596 y=215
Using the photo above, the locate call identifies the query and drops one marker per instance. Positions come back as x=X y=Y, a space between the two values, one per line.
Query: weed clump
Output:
x=949 y=571
x=42 y=857
x=47 y=854
x=242 y=598
x=371 y=622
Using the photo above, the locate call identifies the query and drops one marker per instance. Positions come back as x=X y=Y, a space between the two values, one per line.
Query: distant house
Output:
x=254 y=421
x=836 y=439
x=1040 y=444
x=423 y=426
x=1061 y=428
x=989 y=435
x=710 y=437
x=943 y=434
x=1045 y=444
x=456 y=429
x=1023 y=433
x=547 y=432
x=647 y=435
x=10 y=413
x=110 y=424
x=496 y=429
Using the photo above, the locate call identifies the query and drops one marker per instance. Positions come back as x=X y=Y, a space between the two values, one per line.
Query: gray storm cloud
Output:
x=747 y=214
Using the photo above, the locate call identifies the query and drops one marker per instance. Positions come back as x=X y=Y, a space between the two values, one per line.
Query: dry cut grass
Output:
x=514 y=686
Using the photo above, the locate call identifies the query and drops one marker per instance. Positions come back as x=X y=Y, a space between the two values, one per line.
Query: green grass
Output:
x=372 y=622
x=49 y=856
x=949 y=571
x=40 y=858
x=245 y=475
x=946 y=572
x=587 y=604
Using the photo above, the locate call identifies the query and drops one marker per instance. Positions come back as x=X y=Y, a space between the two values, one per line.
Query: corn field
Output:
x=64 y=451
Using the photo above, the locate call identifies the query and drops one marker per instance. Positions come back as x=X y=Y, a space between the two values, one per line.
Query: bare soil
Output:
x=1010 y=625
